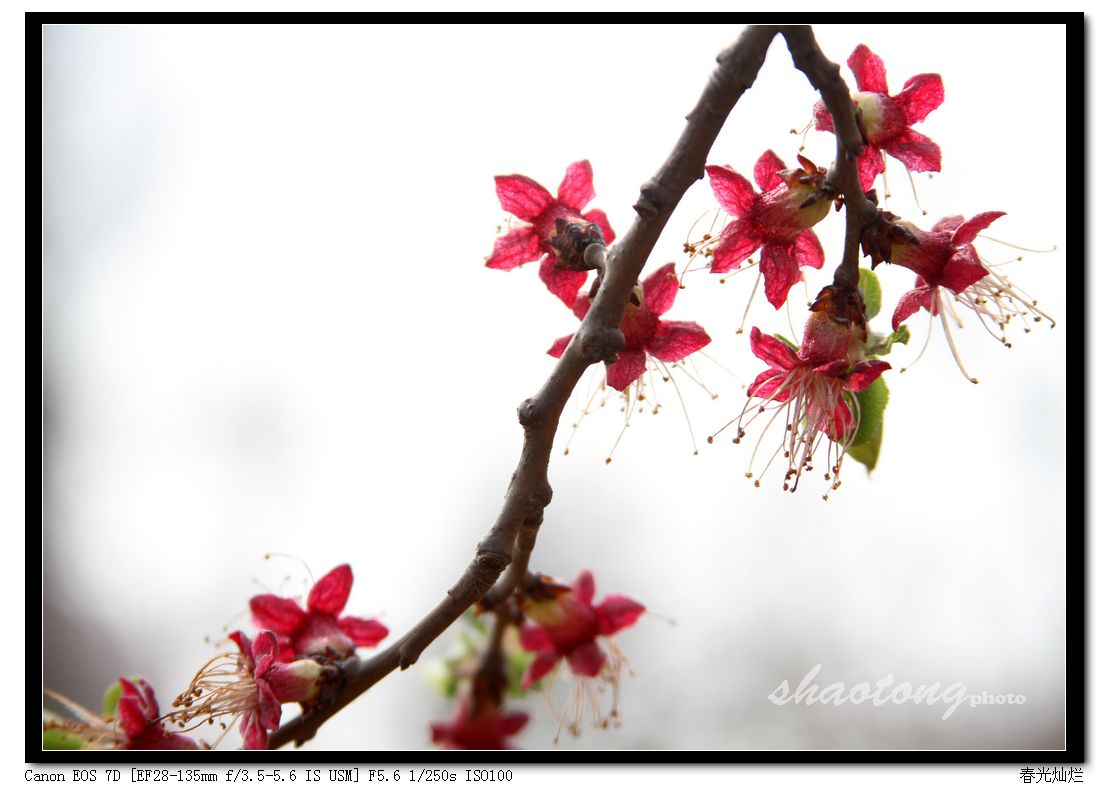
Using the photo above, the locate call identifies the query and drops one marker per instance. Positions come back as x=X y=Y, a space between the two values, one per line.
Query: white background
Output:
x=241 y=248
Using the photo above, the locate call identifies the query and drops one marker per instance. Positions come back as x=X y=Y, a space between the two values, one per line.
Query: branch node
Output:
x=600 y=343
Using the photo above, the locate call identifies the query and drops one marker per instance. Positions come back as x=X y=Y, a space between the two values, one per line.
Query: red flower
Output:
x=816 y=384
x=527 y=200
x=644 y=333
x=138 y=726
x=884 y=119
x=944 y=259
x=563 y=622
x=477 y=728
x=140 y=721
x=778 y=221
x=317 y=631
x=250 y=685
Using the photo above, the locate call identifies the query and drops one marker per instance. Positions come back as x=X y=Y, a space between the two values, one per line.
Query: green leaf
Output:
x=871 y=291
x=111 y=700
x=900 y=336
x=868 y=439
x=880 y=344
x=54 y=738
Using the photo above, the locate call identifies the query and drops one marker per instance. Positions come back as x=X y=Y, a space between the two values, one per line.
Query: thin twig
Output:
x=824 y=76
x=512 y=535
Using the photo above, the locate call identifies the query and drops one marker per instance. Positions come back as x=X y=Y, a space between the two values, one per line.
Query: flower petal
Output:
x=522 y=197
x=766 y=171
x=559 y=346
x=587 y=659
x=280 y=615
x=865 y=373
x=534 y=638
x=660 y=289
x=511 y=723
x=629 y=367
x=364 y=632
x=807 y=250
x=770 y=384
x=601 y=219
x=243 y=642
x=869 y=70
x=738 y=241
x=948 y=224
x=330 y=594
x=514 y=249
x=269 y=707
x=565 y=284
x=576 y=188
x=915 y=151
x=263 y=651
x=733 y=191
x=617 y=612
x=583 y=587
x=132 y=717
x=911 y=302
x=780 y=272
x=772 y=350
x=538 y=669
x=674 y=340
x=919 y=97
x=871 y=165
x=962 y=270
x=969 y=230
x=822 y=117
x=254 y=736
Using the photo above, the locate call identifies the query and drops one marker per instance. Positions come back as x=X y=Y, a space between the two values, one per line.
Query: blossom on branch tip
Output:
x=644 y=333
x=317 y=630
x=563 y=623
x=250 y=685
x=815 y=385
x=884 y=120
x=949 y=271
x=778 y=220
x=545 y=215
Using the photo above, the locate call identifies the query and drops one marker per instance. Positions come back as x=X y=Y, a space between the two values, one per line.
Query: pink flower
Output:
x=816 y=384
x=140 y=721
x=644 y=333
x=138 y=724
x=317 y=631
x=564 y=623
x=944 y=259
x=527 y=200
x=778 y=221
x=475 y=727
x=251 y=686
x=884 y=119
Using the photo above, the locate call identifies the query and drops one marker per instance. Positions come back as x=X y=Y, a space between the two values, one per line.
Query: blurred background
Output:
x=268 y=328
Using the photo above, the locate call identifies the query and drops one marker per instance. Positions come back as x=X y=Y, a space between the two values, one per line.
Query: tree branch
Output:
x=824 y=76
x=513 y=533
